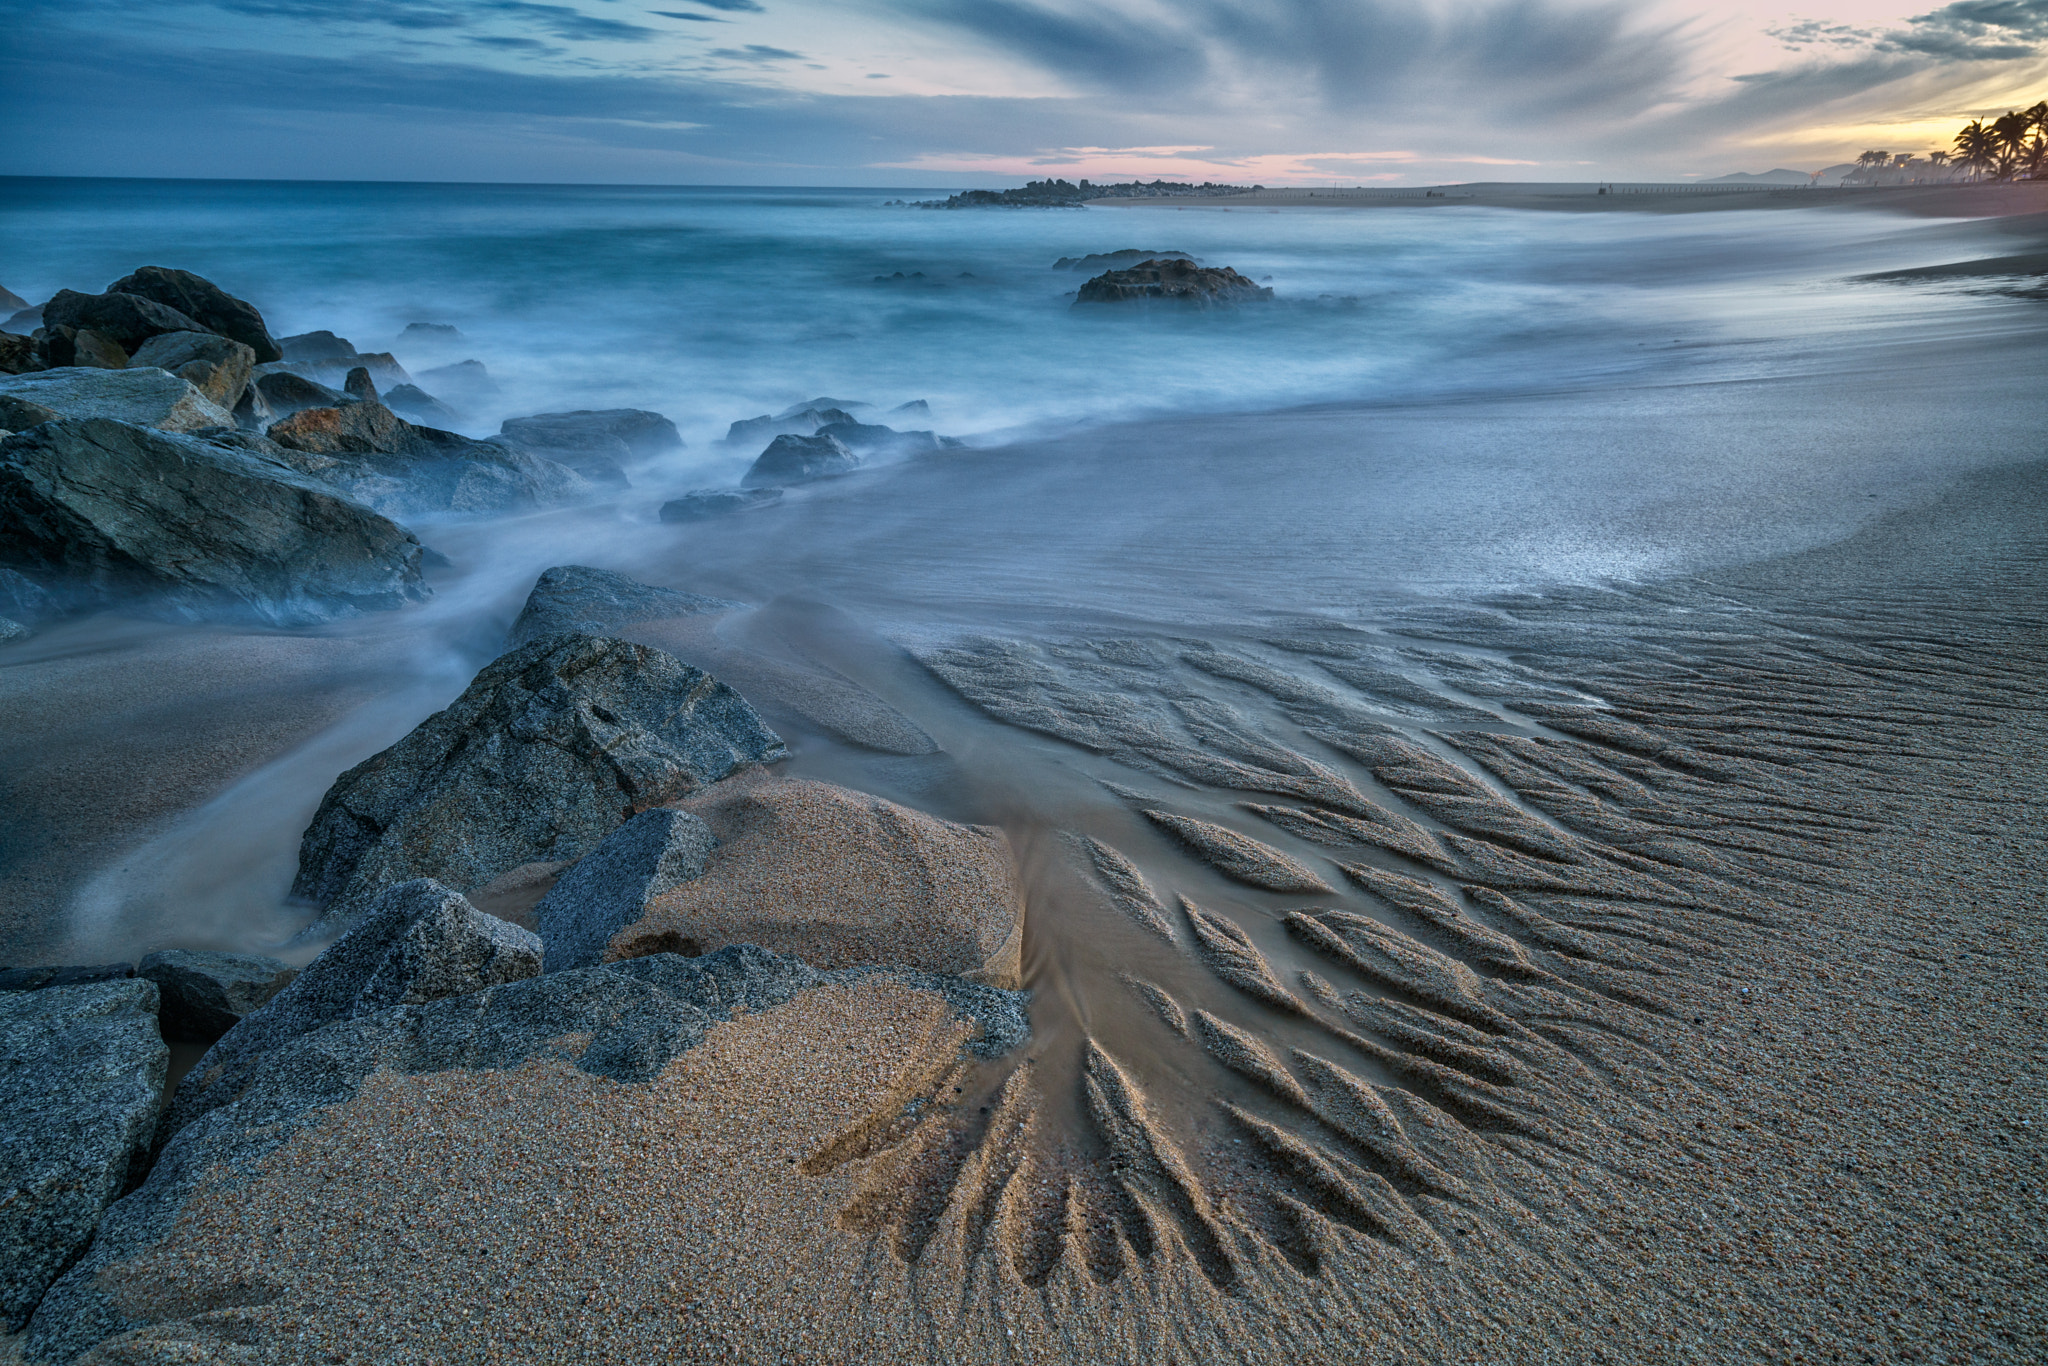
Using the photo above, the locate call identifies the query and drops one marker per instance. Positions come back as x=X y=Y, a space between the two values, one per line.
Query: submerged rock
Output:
x=706 y=503
x=206 y=303
x=431 y=333
x=1096 y=262
x=799 y=460
x=82 y=1069
x=378 y=458
x=193 y=529
x=609 y=888
x=214 y=365
x=145 y=397
x=577 y=598
x=550 y=748
x=206 y=994
x=639 y=432
x=838 y=877
x=1174 y=281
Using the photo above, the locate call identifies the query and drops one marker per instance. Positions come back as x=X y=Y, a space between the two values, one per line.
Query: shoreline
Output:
x=1920 y=201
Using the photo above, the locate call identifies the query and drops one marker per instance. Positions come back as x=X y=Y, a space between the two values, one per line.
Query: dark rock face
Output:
x=1096 y=262
x=214 y=365
x=18 y=414
x=707 y=503
x=27 y=603
x=550 y=749
x=379 y=459
x=571 y=598
x=639 y=1017
x=11 y=301
x=430 y=332
x=416 y=405
x=35 y=979
x=639 y=432
x=316 y=347
x=864 y=438
x=127 y=320
x=196 y=530
x=359 y=386
x=610 y=888
x=1173 y=281
x=59 y=346
x=18 y=355
x=82 y=1068
x=26 y=321
x=287 y=393
x=801 y=421
x=206 y=303
x=800 y=459
x=207 y=994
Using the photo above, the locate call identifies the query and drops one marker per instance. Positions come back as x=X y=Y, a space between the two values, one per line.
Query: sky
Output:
x=958 y=93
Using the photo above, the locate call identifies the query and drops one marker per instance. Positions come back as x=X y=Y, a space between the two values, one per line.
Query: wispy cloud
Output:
x=756 y=53
x=1976 y=30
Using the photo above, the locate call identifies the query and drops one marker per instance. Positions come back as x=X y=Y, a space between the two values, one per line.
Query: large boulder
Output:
x=214 y=365
x=59 y=347
x=867 y=438
x=1172 y=281
x=205 y=994
x=206 y=303
x=82 y=1069
x=802 y=420
x=838 y=877
x=25 y=602
x=18 y=355
x=703 y=504
x=594 y=443
x=111 y=511
x=287 y=391
x=380 y=459
x=145 y=397
x=415 y=404
x=128 y=320
x=609 y=888
x=317 y=347
x=575 y=597
x=550 y=748
x=558 y=1073
x=799 y=460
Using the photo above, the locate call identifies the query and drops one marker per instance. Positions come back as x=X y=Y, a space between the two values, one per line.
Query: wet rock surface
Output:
x=800 y=460
x=376 y=457
x=146 y=397
x=704 y=504
x=82 y=1069
x=213 y=308
x=550 y=748
x=214 y=365
x=1173 y=281
x=127 y=320
x=572 y=598
x=191 y=530
x=206 y=993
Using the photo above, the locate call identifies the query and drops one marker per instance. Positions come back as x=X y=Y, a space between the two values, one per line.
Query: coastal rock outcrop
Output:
x=378 y=458
x=801 y=420
x=287 y=392
x=701 y=504
x=866 y=438
x=416 y=405
x=127 y=320
x=18 y=355
x=799 y=460
x=193 y=529
x=1174 y=281
x=83 y=1069
x=466 y=384
x=594 y=436
x=838 y=877
x=550 y=748
x=24 y=604
x=578 y=598
x=1096 y=262
x=213 y=308
x=205 y=994
x=145 y=397
x=610 y=887
x=214 y=365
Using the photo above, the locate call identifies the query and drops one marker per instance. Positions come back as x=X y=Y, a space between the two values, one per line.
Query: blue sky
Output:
x=975 y=92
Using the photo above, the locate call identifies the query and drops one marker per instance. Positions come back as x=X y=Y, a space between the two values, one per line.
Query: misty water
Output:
x=1437 y=404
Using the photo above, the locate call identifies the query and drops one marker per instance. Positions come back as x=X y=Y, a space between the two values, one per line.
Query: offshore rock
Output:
x=206 y=303
x=214 y=365
x=196 y=530
x=838 y=878
x=577 y=598
x=145 y=397
x=550 y=748
x=82 y=1068
x=378 y=458
x=802 y=420
x=415 y=404
x=321 y=347
x=465 y=384
x=865 y=439
x=206 y=994
x=707 y=503
x=799 y=460
x=609 y=889
x=1096 y=262
x=603 y=431
x=1174 y=281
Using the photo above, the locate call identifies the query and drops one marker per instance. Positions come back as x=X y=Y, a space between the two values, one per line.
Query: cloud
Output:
x=756 y=53
x=693 y=18
x=1976 y=30
x=732 y=6
x=560 y=21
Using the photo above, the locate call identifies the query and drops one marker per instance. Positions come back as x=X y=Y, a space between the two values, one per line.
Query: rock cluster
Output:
x=1176 y=280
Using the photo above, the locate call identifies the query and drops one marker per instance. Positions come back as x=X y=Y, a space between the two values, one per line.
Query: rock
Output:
x=706 y=503
x=547 y=751
x=379 y=459
x=430 y=332
x=1098 y=262
x=10 y=300
x=287 y=392
x=26 y=321
x=127 y=320
x=800 y=459
x=25 y=602
x=822 y=404
x=18 y=355
x=383 y=368
x=10 y=629
x=317 y=347
x=417 y=942
x=359 y=386
x=525 y=1051
x=193 y=528
x=81 y=347
x=573 y=598
x=144 y=397
x=207 y=994
x=796 y=422
x=610 y=888
x=19 y=414
x=417 y=405
x=35 y=979
x=867 y=439
x=466 y=384
x=917 y=407
x=82 y=1068
x=1240 y=856
x=213 y=308
x=559 y=435
x=1175 y=281
x=837 y=878
x=214 y=365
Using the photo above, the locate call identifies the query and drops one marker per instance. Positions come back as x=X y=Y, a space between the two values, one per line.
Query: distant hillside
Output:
x=1781 y=176
x=1061 y=194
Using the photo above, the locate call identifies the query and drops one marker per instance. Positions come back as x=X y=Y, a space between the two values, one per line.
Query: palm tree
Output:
x=1975 y=148
x=2009 y=139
